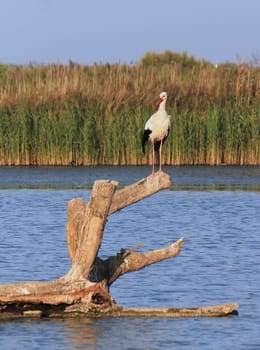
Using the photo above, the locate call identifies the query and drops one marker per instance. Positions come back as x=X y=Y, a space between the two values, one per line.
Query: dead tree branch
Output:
x=84 y=290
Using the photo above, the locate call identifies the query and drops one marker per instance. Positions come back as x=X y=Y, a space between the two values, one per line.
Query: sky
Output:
x=122 y=31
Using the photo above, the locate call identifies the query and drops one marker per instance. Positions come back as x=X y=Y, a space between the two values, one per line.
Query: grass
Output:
x=87 y=115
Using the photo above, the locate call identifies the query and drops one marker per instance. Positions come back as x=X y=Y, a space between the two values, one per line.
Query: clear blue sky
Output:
x=84 y=31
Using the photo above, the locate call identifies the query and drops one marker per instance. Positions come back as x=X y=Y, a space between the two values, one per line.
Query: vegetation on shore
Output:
x=87 y=115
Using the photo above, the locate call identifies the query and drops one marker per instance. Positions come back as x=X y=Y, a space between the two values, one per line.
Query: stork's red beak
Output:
x=158 y=102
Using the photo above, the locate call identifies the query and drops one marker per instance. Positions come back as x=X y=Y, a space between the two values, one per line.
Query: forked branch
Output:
x=122 y=198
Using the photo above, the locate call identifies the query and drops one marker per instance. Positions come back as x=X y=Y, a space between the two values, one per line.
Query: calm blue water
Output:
x=216 y=210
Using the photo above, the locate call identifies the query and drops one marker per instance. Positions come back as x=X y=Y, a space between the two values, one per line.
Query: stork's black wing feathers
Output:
x=145 y=138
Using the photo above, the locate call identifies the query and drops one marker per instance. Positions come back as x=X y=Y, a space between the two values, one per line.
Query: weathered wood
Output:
x=207 y=311
x=223 y=310
x=122 y=198
x=75 y=217
x=138 y=261
x=91 y=232
x=84 y=290
x=64 y=290
x=140 y=190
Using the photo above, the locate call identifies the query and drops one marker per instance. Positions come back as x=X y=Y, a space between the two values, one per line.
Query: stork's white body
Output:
x=157 y=128
x=159 y=124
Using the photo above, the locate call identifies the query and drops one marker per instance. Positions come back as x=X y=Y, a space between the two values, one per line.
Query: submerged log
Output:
x=84 y=289
x=206 y=311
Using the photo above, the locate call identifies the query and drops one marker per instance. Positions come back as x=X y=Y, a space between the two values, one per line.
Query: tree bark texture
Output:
x=84 y=290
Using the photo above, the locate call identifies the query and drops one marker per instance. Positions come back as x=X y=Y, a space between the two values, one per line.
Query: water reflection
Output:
x=58 y=334
x=82 y=333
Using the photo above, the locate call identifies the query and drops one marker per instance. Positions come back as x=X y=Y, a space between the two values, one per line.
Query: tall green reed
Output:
x=62 y=115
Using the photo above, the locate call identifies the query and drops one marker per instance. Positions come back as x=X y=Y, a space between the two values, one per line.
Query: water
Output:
x=216 y=210
x=184 y=177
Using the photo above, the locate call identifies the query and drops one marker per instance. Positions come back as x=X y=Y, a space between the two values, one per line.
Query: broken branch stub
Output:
x=140 y=190
x=91 y=230
x=137 y=261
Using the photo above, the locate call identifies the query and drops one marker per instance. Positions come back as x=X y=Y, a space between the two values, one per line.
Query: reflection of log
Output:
x=84 y=290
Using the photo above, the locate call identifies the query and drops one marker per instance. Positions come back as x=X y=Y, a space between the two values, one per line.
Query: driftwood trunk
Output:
x=84 y=290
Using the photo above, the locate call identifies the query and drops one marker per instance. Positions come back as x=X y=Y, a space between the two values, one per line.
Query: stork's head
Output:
x=163 y=97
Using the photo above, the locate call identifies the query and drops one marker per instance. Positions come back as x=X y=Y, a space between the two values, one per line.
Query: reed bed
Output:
x=88 y=115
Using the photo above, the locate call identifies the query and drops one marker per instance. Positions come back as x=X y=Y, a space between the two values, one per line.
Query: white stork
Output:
x=157 y=129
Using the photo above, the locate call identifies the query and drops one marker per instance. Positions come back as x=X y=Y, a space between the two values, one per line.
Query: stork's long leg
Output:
x=160 y=155
x=153 y=158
